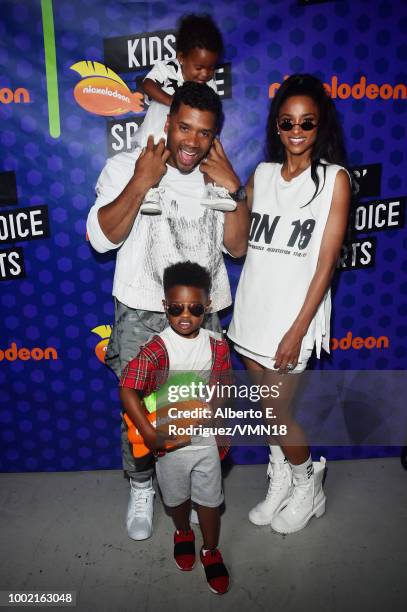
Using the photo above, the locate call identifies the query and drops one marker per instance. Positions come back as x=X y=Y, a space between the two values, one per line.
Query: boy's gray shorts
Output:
x=193 y=474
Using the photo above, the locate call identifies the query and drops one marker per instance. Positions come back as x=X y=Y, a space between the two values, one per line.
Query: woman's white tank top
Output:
x=284 y=243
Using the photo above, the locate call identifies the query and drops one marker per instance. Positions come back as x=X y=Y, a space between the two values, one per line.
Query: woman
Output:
x=299 y=204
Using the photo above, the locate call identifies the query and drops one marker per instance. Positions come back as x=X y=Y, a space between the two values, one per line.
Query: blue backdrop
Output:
x=59 y=403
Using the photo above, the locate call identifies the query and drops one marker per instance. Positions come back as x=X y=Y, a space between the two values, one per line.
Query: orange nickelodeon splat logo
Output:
x=102 y=92
x=104 y=332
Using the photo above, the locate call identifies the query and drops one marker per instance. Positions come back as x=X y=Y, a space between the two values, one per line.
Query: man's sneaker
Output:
x=152 y=201
x=184 y=550
x=218 y=198
x=278 y=494
x=216 y=573
x=140 y=510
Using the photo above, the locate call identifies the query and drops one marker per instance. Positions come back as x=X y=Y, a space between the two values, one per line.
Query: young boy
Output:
x=199 y=45
x=191 y=472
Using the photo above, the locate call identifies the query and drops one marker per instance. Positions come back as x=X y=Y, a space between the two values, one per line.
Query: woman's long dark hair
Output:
x=329 y=146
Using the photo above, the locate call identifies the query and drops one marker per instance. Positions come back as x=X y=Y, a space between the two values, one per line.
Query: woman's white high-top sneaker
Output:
x=307 y=498
x=278 y=494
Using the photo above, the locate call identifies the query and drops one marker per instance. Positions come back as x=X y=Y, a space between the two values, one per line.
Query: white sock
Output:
x=146 y=484
x=276 y=454
x=304 y=470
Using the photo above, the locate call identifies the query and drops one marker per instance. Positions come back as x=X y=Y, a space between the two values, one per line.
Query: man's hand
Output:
x=117 y=218
x=217 y=166
x=151 y=164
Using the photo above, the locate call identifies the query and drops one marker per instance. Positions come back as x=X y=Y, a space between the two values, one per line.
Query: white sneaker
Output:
x=307 y=500
x=278 y=494
x=139 y=518
x=152 y=201
x=218 y=198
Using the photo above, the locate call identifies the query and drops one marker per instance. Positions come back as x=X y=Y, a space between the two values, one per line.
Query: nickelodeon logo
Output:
x=357 y=91
x=104 y=332
x=356 y=342
x=20 y=95
x=103 y=92
x=25 y=354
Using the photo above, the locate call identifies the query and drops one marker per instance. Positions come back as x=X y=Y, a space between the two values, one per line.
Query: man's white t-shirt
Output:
x=184 y=231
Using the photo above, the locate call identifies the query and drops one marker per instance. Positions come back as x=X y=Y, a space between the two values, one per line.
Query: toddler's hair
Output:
x=199 y=31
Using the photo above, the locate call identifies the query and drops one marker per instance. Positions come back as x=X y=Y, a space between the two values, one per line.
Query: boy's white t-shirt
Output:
x=190 y=355
x=168 y=76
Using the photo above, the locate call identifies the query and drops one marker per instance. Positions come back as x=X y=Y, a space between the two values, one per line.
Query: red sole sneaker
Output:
x=184 y=550
x=215 y=570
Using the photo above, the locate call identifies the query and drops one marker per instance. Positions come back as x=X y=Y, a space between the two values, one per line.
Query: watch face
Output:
x=239 y=195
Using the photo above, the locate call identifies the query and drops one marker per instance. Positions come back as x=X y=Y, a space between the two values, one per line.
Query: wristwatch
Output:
x=239 y=194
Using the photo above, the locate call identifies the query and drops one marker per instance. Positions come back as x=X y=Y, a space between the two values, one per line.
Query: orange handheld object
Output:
x=139 y=449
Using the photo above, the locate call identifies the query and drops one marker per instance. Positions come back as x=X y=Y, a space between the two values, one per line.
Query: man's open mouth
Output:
x=187 y=158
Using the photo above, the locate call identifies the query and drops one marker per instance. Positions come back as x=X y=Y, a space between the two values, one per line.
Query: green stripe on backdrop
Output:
x=51 y=68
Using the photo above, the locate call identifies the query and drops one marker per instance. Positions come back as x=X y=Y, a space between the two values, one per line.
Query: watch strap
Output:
x=239 y=194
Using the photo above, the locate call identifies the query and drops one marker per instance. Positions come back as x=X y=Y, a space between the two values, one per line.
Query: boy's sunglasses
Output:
x=307 y=125
x=176 y=309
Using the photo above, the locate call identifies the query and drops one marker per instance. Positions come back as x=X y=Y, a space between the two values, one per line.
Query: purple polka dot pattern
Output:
x=65 y=414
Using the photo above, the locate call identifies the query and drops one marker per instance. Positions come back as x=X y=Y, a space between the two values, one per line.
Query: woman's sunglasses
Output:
x=176 y=309
x=307 y=125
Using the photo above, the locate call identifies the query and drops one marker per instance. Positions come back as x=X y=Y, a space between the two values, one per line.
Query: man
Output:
x=147 y=244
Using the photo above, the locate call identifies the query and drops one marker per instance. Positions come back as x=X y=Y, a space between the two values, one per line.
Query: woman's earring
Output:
x=278 y=132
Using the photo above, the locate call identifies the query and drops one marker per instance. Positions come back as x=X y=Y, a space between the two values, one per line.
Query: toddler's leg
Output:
x=209 y=522
x=206 y=178
x=180 y=516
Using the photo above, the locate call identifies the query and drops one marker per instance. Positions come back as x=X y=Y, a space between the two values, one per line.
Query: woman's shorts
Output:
x=269 y=362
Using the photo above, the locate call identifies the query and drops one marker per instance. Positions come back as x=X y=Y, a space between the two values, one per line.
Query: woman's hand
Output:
x=288 y=351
